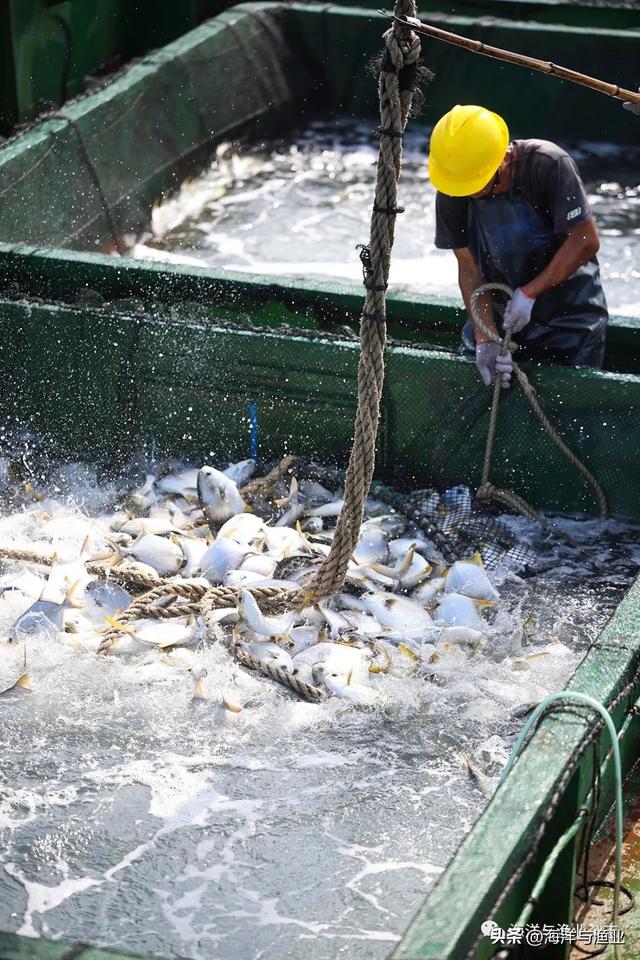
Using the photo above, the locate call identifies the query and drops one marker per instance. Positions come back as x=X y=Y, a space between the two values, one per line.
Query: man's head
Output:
x=467 y=149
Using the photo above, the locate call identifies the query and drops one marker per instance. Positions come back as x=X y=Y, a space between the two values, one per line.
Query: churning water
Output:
x=298 y=208
x=130 y=817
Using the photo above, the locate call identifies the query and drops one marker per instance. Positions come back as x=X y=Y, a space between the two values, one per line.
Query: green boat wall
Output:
x=604 y=14
x=70 y=183
x=152 y=359
x=48 y=48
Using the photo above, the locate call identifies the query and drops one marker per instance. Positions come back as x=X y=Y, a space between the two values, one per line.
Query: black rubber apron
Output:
x=512 y=245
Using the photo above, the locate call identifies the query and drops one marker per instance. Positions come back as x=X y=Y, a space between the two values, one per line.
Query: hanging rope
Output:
x=396 y=84
x=486 y=490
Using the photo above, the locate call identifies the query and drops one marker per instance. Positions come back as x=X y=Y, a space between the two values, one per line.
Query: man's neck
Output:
x=507 y=171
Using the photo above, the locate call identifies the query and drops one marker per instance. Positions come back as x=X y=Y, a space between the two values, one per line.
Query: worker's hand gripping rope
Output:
x=518 y=311
x=492 y=363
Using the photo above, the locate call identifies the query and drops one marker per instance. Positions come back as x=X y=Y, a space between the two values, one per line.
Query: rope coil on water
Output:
x=486 y=490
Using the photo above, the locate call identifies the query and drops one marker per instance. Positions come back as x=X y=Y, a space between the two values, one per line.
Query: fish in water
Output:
x=199 y=693
x=219 y=496
x=43 y=616
x=325 y=657
x=400 y=614
x=22 y=685
x=469 y=578
x=221 y=557
x=259 y=623
x=342 y=684
x=183 y=484
x=163 y=634
x=271 y=653
x=104 y=597
x=294 y=508
x=485 y=784
x=241 y=472
x=456 y=610
x=246 y=528
x=163 y=555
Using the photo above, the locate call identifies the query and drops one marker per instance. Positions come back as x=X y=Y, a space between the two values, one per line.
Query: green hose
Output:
x=597 y=706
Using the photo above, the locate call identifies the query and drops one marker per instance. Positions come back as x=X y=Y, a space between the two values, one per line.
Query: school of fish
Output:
x=402 y=610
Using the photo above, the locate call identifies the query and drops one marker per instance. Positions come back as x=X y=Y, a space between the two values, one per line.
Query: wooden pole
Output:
x=543 y=66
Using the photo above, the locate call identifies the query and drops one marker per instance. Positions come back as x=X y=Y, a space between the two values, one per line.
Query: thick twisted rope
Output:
x=98 y=568
x=202 y=600
x=301 y=688
x=402 y=51
x=486 y=490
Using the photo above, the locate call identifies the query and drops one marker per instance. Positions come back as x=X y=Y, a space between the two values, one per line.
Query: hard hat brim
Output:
x=462 y=188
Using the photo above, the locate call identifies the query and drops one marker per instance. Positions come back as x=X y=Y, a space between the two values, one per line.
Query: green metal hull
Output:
x=48 y=48
x=103 y=355
x=154 y=369
x=278 y=64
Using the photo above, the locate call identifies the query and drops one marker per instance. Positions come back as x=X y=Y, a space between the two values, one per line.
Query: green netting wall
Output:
x=107 y=380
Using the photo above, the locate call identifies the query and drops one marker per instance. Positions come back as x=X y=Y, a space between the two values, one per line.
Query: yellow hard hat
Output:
x=467 y=146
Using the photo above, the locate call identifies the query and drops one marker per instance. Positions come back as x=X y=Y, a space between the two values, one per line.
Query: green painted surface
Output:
x=48 y=49
x=137 y=362
x=607 y=16
x=159 y=120
x=102 y=355
x=311 y=304
x=148 y=129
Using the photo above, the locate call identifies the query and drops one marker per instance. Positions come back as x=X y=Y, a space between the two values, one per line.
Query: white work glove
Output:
x=491 y=363
x=518 y=311
x=632 y=107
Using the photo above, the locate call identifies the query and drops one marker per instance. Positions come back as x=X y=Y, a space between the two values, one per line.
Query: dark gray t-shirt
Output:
x=547 y=177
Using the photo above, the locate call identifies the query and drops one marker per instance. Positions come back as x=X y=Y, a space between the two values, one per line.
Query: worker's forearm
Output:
x=571 y=255
x=469 y=279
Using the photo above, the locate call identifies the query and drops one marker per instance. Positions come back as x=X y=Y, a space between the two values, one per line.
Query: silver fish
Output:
x=271 y=653
x=484 y=783
x=22 y=685
x=219 y=496
x=43 y=616
x=162 y=554
x=241 y=472
x=456 y=610
x=104 y=598
x=259 y=623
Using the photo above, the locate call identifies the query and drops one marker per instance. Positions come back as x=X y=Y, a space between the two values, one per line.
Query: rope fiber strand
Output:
x=398 y=72
x=486 y=490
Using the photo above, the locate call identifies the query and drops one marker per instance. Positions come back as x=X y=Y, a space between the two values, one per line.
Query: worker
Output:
x=516 y=212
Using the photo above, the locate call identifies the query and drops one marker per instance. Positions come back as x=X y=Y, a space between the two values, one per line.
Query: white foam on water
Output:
x=297 y=208
x=41 y=897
